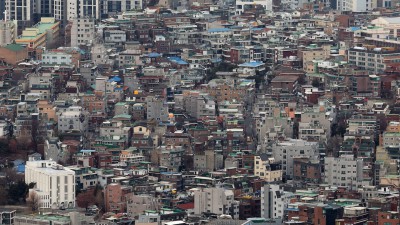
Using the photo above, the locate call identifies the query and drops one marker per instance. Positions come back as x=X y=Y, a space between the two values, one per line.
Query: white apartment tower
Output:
x=83 y=8
x=19 y=9
x=55 y=185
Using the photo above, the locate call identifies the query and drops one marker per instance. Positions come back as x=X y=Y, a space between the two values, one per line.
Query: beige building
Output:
x=313 y=52
x=8 y=32
x=47 y=110
x=267 y=169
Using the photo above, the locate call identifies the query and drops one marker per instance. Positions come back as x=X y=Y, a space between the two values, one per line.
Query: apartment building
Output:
x=356 y=5
x=82 y=31
x=216 y=200
x=313 y=52
x=73 y=119
x=157 y=108
x=199 y=104
x=55 y=185
x=83 y=8
x=267 y=169
x=274 y=200
x=344 y=171
x=8 y=32
x=19 y=10
x=372 y=58
x=285 y=151
x=242 y=5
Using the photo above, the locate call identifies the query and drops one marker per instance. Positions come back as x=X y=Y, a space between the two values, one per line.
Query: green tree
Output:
x=18 y=191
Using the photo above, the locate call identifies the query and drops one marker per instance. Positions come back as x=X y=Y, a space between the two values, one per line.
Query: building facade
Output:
x=54 y=184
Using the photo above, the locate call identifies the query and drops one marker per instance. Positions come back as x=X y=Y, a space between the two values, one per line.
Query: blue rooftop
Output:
x=177 y=60
x=218 y=30
x=154 y=55
x=252 y=64
x=354 y=28
x=116 y=79
x=21 y=168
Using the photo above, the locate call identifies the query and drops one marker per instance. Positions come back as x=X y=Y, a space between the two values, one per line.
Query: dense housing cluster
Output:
x=172 y=112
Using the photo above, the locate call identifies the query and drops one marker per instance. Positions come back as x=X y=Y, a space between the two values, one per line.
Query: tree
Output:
x=33 y=200
x=17 y=192
x=3 y=195
x=332 y=146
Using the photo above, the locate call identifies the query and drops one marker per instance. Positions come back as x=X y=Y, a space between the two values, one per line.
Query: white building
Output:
x=114 y=36
x=19 y=9
x=274 y=201
x=356 y=5
x=8 y=32
x=344 y=171
x=285 y=151
x=242 y=4
x=82 y=31
x=215 y=200
x=83 y=8
x=55 y=185
x=56 y=58
x=73 y=119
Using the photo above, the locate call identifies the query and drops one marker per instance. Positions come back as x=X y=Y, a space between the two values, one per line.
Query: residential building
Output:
x=274 y=201
x=113 y=7
x=267 y=169
x=56 y=58
x=8 y=32
x=285 y=151
x=241 y=5
x=306 y=170
x=54 y=184
x=216 y=200
x=73 y=119
x=137 y=204
x=115 y=197
x=372 y=58
x=313 y=52
x=82 y=31
x=19 y=10
x=199 y=105
x=355 y=5
x=81 y=9
x=157 y=109
x=344 y=171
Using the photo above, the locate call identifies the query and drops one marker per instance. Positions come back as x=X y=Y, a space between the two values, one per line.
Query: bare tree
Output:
x=33 y=200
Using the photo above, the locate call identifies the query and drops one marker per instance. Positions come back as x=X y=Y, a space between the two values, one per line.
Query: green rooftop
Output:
x=14 y=47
